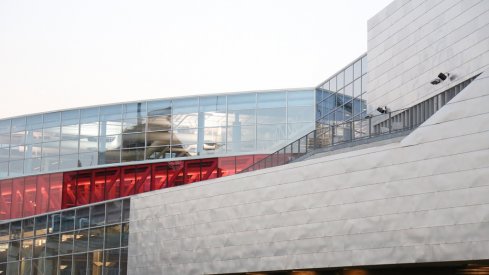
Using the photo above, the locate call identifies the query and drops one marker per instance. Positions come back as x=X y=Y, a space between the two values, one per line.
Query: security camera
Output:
x=382 y=110
x=443 y=76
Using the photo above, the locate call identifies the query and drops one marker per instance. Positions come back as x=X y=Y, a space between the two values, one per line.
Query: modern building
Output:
x=378 y=170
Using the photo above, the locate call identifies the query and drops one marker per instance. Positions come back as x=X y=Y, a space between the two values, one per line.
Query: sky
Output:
x=59 y=54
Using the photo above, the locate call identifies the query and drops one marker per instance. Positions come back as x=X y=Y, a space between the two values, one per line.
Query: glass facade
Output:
x=33 y=195
x=85 y=240
x=342 y=97
x=159 y=129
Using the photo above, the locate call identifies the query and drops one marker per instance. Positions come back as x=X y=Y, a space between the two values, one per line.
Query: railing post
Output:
x=369 y=126
x=390 y=122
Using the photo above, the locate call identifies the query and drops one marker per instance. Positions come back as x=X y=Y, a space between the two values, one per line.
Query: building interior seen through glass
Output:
x=84 y=240
x=159 y=129
x=342 y=97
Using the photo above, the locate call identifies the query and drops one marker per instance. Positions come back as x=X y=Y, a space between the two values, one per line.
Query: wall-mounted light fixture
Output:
x=440 y=78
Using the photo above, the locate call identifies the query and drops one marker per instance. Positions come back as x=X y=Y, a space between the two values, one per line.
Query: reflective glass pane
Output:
x=26 y=248
x=50 y=149
x=133 y=125
x=242 y=117
x=97 y=215
x=81 y=241
x=15 y=229
x=125 y=234
x=88 y=159
x=52 y=245
x=241 y=133
x=34 y=122
x=128 y=155
x=13 y=251
x=189 y=120
x=113 y=236
x=158 y=138
x=80 y=263
x=340 y=80
x=96 y=238
x=271 y=132
x=54 y=222
x=126 y=209
x=66 y=243
x=65 y=265
x=70 y=117
x=3 y=252
x=39 y=247
x=158 y=123
x=51 y=266
x=111 y=262
x=134 y=140
x=332 y=84
x=300 y=98
x=67 y=220
x=82 y=217
x=68 y=147
x=51 y=134
x=357 y=69
x=364 y=65
x=212 y=104
x=270 y=116
x=70 y=132
x=114 y=210
x=4 y=231
x=5 y=126
x=357 y=87
x=185 y=105
x=348 y=75
x=159 y=107
x=184 y=136
x=41 y=225
x=68 y=161
x=214 y=119
x=135 y=110
x=28 y=226
x=300 y=114
x=271 y=100
x=17 y=138
x=95 y=262
x=242 y=101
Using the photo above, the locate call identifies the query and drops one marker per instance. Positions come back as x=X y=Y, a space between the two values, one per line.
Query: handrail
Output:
x=330 y=135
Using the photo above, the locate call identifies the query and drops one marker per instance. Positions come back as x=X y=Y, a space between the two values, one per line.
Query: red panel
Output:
x=143 y=178
x=175 y=173
x=17 y=198
x=209 y=169
x=42 y=194
x=128 y=182
x=69 y=189
x=112 y=183
x=83 y=186
x=227 y=166
x=55 y=191
x=98 y=186
x=5 y=199
x=160 y=176
x=30 y=196
x=243 y=162
x=192 y=171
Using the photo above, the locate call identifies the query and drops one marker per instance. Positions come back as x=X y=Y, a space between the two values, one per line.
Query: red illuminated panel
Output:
x=42 y=194
x=227 y=166
x=243 y=162
x=209 y=169
x=83 y=186
x=128 y=182
x=143 y=178
x=30 y=196
x=160 y=176
x=112 y=183
x=192 y=171
x=69 y=189
x=5 y=199
x=175 y=173
x=17 y=198
x=98 y=187
x=55 y=191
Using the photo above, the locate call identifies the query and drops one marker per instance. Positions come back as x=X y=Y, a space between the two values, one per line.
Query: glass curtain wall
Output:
x=158 y=129
x=85 y=240
x=342 y=97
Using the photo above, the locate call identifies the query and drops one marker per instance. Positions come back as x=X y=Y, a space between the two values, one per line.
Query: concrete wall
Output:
x=410 y=42
x=424 y=199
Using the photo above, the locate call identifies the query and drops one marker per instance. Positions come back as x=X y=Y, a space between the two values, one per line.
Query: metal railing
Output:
x=331 y=135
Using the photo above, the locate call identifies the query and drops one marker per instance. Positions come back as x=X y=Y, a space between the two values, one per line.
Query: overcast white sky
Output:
x=58 y=54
